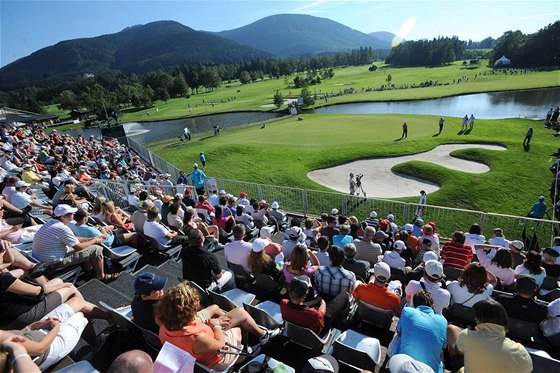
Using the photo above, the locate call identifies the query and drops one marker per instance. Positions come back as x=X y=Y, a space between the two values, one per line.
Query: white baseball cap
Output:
x=434 y=269
x=399 y=245
x=63 y=209
x=390 y=217
x=274 y=205
x=259 y=244
x=373 y=214
x=429 y=255
x=266 y=231
x=382 y=271
x=21 y=183
x=334 y=212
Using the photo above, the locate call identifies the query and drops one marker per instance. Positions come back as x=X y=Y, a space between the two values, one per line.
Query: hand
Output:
x=13 y=346
x=48 y=324
x=225 y=322
x=15 y=228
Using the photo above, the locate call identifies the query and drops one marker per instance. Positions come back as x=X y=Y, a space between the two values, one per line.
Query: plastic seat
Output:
x=357 y=350
x=375 y=316
x=266 y=314
x=550 y=283
x=543 y=363
x=266 y=288
x=462 y=315
x=231 y=299
x=306 y=338
x=452 y=273
x=125 y=255
x=121 y=316
x=521 y=330
x=243 y=278
x=173 y=251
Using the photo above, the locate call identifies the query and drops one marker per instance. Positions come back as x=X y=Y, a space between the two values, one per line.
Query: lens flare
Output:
x=405 y=29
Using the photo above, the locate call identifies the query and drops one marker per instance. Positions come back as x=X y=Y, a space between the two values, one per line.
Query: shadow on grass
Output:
x=526 y=147
x=400 y=139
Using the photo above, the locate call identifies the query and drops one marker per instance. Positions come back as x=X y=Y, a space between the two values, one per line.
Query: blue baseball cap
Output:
x=148 y=282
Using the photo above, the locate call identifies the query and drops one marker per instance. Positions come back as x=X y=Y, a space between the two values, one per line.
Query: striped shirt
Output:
x=456 y=255
x=332 y=280
x=54 y=238
x=367 y=250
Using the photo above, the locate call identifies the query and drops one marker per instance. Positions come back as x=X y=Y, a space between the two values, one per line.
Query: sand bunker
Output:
x=380 y=181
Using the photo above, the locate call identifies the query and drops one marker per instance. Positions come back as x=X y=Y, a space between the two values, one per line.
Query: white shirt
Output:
x=157 y=231
x=441 y=296
x=472 y=239
x=460 y=294
x=21 y=200
x=133 y=200
x=394 y=260
x=557 y=248
x=237 y=252
x=551 y=325
x=500 y=241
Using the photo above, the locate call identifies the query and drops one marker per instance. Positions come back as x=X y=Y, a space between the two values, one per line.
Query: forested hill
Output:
x=137 y=49
x=295 y=34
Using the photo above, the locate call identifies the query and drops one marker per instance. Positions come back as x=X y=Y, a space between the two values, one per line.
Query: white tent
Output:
x=504 y=61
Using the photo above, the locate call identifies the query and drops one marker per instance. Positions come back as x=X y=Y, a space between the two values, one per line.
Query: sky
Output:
x=27 y=26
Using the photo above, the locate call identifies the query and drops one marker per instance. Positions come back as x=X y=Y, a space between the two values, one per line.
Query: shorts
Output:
x=78 y=257
x=232 y=337
x=119 y=240
x=48 y=304
x=72 y=326
x=203 y=316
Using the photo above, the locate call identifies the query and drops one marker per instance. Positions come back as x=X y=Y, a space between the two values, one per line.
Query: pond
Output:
x=155 y=131
x=495 y=105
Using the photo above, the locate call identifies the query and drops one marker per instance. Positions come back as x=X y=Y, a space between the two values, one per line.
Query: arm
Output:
x=206 y=344
x=313 y=258
x=87 y=242
x=38 y=348
x=20 y=359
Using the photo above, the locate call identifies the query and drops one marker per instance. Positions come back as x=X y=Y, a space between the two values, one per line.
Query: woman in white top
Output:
x=531 y=267
x=474 y=285
x=474 y=237
x=499 y=265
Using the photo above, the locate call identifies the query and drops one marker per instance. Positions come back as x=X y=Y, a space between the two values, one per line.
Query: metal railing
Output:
x=314 y=203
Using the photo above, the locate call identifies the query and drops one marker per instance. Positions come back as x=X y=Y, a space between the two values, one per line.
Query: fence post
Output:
x=259 y=192
x=344 y=207
x=304 y=201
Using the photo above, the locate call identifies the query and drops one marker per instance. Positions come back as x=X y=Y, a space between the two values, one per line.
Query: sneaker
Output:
x=265 y=338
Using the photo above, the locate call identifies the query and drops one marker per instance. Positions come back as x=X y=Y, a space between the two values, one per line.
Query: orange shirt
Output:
x=378 y=296
x=184 y=339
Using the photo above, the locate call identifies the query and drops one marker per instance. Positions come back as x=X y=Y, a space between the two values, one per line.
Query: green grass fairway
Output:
x=232 y=96
x=283 y=153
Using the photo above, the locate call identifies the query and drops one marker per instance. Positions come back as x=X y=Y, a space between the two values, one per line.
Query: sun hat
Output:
x=294 y=232
x=266 y=231
x=274 y=205
x=434 y=269
x=63 y=209
x=402 y=363
x=382 y=271
x=259 y=244
x=148 y=282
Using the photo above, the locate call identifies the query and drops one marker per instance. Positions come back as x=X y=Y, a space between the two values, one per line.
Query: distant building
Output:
x=79 y=114
x=10 y=117
x=502 y=62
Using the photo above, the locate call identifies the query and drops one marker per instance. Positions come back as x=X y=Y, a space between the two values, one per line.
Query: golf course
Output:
x=287 y=149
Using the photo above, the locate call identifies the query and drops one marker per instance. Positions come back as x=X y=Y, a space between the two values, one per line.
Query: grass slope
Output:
x=284 y=151
x=233 y=96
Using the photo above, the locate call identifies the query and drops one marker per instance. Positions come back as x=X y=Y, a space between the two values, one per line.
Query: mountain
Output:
x=295 y=34
x=384 y=36
x=137 y=49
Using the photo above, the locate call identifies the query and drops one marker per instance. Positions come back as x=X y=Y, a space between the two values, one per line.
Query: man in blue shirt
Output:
x=539 y=209
x=423 y=333
x=197 y=178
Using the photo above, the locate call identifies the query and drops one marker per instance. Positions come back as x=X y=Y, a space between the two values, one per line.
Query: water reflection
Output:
x=495 y=105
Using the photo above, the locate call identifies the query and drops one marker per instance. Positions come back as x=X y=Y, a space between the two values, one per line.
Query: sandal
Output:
x=109 y=277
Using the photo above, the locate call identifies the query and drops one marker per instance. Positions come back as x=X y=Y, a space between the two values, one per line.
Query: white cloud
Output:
x=539 y=16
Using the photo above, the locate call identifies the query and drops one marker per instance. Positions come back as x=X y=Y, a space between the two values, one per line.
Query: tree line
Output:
x=107 y=93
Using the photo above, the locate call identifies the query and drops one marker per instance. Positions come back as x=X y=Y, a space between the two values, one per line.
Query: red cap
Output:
x=243 y=194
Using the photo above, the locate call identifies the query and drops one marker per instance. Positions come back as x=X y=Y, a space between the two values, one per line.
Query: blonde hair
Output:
x=69 y=188
x=257 y=260
x=177 y=307
x=108 y=208
x=98 y=205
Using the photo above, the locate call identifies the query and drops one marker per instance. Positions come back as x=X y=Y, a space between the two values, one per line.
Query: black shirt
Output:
x=523 y=308
x=11 y=304
x=144 y=313
x=199 y=266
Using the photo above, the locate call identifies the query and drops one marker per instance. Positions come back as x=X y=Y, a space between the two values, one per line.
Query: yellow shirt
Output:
x=30 y=177
x=487 y=349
